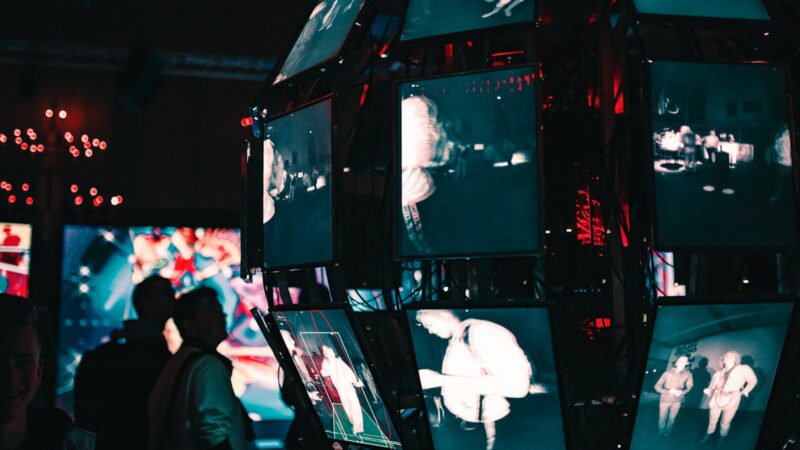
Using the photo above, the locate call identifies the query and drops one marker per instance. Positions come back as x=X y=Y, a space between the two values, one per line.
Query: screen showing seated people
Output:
x=468 y=156
x=101 y=266
x=427 y=18
x=322 y=36
x=298 y=217
x=709 y=374
x=339 y=383
x=720 y=9
x=722 y=156
x=488 y=377
x=15 y=258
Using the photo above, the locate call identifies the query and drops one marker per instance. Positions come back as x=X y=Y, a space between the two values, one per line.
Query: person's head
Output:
x=685 y=129
x=154 y=299
x=20 y=357
x=328 y=352
x=439 y=322
x=712 y=133
x=198 y=315
x=729 y=360
x=681 y=363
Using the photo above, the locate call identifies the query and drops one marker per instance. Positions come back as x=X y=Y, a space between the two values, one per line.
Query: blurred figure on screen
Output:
x=673 y=386
x=711 y=146
x=274 y=178
x=728 y=384
x=779 y=158
x=502 y=5
x=482 y=367
x=345 y=381
x=688 y=142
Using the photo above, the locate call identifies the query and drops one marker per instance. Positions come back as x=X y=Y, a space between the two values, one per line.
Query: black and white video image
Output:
x=722 y=155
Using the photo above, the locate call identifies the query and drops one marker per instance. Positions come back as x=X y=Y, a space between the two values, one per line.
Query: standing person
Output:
x=192 y=405
x=688 y=143
x=345 y=381
x=711 y=146
x=728 y=385
x=673 y=386
x=22 y=425
x=132 y=359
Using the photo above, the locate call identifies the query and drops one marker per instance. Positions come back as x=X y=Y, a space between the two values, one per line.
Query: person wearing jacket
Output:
x=673 y=386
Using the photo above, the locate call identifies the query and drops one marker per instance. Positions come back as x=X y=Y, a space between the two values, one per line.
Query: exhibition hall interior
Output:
x=400 y=224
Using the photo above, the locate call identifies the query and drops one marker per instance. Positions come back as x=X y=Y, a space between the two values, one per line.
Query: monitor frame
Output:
x=645 y=73
x=710 y=301
x=710 y=22
x=286 y=363
x=397 y=170
x=334 y=183
x=363 y=14
x=512 y=304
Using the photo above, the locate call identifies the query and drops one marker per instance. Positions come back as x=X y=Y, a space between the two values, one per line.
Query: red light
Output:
x=3 y=138
x=12 y=198
x=78 y=200
x=34 y=148
x=26 y=187
x=69 y=137
x=93 y=191
x=29 y=131
x=73 y=188
x=103 y=145
x=17 y=132
x=87 y=145
x=99 y=200
x=29 y=201
x=32 y=136
x=18 y=140
x=48 y=113
x=84 y=138
x=24 y=146
x=96 y=142
x=114 y=201
x=75 y=153
x=41 y=148
x=8 y=187
x=246 y=122
x=62 y=114
x=89 y=153
x=119 y=199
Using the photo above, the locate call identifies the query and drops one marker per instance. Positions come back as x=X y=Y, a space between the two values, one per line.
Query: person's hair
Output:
x=688 y=360
x=19 y=313
x=737 y=357
x=147 y=290
x=190 y=303
x=435 y=312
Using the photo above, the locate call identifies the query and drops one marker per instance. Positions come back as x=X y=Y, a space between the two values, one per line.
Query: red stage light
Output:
x=32 y=136
x=114 y=201
x=3 y=138
x=24 y=146
x=69 y=137
x=89 y=153
x=103 y=145
x=8 y=187
x=62 y=114
x=96 y=142
x=78 y=200
x=75 y=153
x=73 y=188
x=93 y=191
x=85 y=138
x=18 y=140
x=41 y=148
x=29 y=201
x=26 y=187
x=17 y=132
x=12 y=198
x=119 y=199
x=87 y=145
x=29 y=131
x=48 y=113
x=246 y=122
x=99 y=199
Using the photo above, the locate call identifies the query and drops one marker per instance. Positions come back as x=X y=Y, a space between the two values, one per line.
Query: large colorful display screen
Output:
x=469 y=181
x=427 y=18
x=722 y=156
x=101 y=266
x=15 y=258
x=720 y=9
x=339 y=383
x=709 y=375
x=298 y=202
x=488 y=377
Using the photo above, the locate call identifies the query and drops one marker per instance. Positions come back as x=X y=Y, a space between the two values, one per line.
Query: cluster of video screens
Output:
x=709 y=375
x=717 y=9
x=722 y=156
x=297 y=197
x=328 y=359
x=468 y=171
x=101 y=266
x=15 y=258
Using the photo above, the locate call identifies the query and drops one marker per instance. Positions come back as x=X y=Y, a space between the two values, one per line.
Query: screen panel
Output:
x=469 y=181
x=339 y=382
x=322 y=36
x=709 y=373
x=722 y=156
x=488 y=377
x=15 y=258
x=101 y=266
x=298 y=200
x=719 y=9
x=428 y=18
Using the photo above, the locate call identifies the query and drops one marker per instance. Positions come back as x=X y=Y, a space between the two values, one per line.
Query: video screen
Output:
x=719 y=9
x=15 y=258
x=488 y=377
x=722 y=156
x=338 y=381
x=101 y=266
x=322 y=36
x=709 y=374
x=298 y=200
x=427 y=18
x=469 y=180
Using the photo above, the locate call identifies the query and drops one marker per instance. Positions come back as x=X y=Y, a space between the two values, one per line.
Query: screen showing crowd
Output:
x=339 y=383
x=488 y=377
x=469 y=180
x=722 y=155
x=298 y=217
x=101 y=265
x=15 y=258
x=721 y=9
x=709 y=374
x=427 y=18
x=322 y=36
